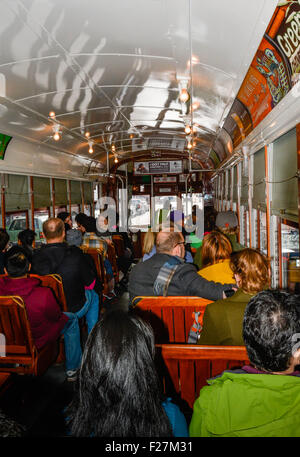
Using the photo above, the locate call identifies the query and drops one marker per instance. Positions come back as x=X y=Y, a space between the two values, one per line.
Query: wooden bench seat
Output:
x=21 y=354
x=184 y=368
x=170 y=317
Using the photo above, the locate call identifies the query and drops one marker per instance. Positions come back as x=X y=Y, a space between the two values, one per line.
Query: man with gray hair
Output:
x=166 y=273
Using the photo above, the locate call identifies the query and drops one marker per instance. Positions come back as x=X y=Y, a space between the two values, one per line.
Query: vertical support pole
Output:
x=82 y=196
x=31 y=193
x=250 y=196
x=279 y=251
x=3 y=201
x=298 y=163
x=267 y=201
x=52 y=190
x=69 y=195
x=238 y=206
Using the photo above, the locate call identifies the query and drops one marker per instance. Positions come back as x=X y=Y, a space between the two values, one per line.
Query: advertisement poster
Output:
x=274 y=70
x=157 y=167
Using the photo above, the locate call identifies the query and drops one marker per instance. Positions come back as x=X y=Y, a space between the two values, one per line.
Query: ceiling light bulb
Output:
x=113 y=148
x=131 y=136
x=56 y=136
x=52 y=114
x=91 y=150
x=194 y=129
x=116 y=160
x=187 y=129
x=87 y=134
x=189 y=145
x=184 y=95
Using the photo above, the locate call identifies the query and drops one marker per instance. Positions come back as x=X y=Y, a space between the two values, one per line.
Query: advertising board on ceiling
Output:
x=157 y=167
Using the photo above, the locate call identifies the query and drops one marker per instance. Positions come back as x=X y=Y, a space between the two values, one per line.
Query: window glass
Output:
x=263 y=233
x=290 y=257
x=139 y=211
x=40 y=216
x=15 y=223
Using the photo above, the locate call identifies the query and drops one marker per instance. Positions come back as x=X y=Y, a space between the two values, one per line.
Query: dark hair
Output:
x=80 y=218
x=271 y=319
x=119 y=392
x=63 y=215
x=4 y=239
x=16 y=261
x=26 y=237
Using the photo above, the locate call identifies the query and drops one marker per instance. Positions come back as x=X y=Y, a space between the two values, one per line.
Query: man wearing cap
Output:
x=227 y=223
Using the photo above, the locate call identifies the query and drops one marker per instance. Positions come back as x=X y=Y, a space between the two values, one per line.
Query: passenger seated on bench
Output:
x=118 y=391
x=91 y=240
x=46 y=320
x=223 y=319
x=262 y=399
x=25 y=239
x=216 y=250
x=166 y=273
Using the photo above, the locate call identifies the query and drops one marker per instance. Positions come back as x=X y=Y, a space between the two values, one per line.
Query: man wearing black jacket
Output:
x=69 y=262
x=167 y=273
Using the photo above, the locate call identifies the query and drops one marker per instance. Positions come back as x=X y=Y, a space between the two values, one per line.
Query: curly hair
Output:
x=253 y=269
x=119 y=392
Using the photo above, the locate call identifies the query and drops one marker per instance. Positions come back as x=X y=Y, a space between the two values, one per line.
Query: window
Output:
x=16 y=223
x=263 y=233
x=139 y=211
x=290 y=256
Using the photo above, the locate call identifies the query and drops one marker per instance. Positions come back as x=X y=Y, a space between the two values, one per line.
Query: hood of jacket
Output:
x=49 y=257
x=266 y=403
x=18 y=286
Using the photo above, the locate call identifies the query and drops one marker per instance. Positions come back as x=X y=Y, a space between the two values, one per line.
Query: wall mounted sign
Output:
x=157 y=167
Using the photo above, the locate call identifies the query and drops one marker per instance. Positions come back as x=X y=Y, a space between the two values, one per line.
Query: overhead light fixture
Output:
x=116 y=159
x=184 y=95
x=52 y=114
x=56 y=132
x=187 y=129
x=91 y=150
x=87 y=134
x=113 y=148
x=131 y=136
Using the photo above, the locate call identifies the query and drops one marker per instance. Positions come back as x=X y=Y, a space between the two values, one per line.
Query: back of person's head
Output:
x=177 y=217
x=80 y=218
x=215 y=247
x=74 y=237
x=16 y=261
x=63 y=215
x=4 y=239
x=271 y=324
x=166 y=241
x=252 y=269
x=119 y=392
x=53 y=228
x=227 y=222
x=26 y=237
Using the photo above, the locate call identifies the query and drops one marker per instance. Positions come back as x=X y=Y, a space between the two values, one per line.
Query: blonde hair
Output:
x=215 y=247
x=149 y=241
x=253 y=268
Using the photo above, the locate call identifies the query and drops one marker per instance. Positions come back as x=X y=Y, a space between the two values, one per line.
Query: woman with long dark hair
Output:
x=118 y=391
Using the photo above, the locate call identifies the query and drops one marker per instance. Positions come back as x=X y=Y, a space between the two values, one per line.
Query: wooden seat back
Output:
x=185 y=368
x=97 y=256
x=170 y=317
x=54 y=282
x=119 y=245
x=5 y=382
x=20 y=351
x=112 y=257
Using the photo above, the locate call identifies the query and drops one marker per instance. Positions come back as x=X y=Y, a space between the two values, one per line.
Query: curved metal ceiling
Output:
x=115 y=69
